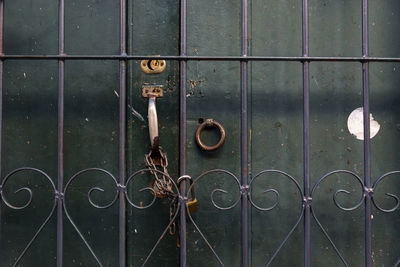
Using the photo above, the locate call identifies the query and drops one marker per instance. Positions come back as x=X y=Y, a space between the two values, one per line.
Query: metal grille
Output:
x=244 y=182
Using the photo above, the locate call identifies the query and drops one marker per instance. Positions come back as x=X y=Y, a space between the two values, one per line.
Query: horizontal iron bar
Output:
x=203 y=58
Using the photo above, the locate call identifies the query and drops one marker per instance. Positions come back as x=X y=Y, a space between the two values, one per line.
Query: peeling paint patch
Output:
x=356 y=127
x=194 y=83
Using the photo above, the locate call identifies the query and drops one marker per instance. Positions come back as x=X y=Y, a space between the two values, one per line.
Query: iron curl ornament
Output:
x=390 y=195
x=89 y=197
x=149 y=189
x=337 y=204
x=214 y=192
x=271 y=190
x=217 y=190
x=342 y=191
x=30 y=192
x=274 y=191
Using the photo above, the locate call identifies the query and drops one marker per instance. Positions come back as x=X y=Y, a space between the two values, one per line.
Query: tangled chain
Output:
x=162 y=185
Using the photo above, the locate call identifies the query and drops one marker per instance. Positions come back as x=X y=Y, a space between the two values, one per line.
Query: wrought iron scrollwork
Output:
x=151 y=190
x=337 y=204
x=342 y=191
x=364 y=191
x=242 y=191
x=91 y=190
x=275 y=204
x=63 y=195
x=118 y=188
x=30 y=193
x=212 y=195
x=274 y=191
x=217 y=190
x=394 y=197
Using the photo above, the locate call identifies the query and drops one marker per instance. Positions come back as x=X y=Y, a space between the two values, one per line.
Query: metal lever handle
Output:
x=152 y=92
x=153 y=123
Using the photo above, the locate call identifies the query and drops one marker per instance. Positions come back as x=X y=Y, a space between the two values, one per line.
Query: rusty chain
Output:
x=162 y=185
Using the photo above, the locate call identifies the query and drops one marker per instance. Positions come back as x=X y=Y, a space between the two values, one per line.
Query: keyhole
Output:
x=149 y=65
x=153 y=64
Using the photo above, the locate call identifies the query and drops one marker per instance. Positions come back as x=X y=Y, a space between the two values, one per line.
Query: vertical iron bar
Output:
x=367 y=159
x=306 y=136
x=244 y=137
x=122 y=136
x=1 y=25
x=182 y=132
x=60 y=144
x=1 y=94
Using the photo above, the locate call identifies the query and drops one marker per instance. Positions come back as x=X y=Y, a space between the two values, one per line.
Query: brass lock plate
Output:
x=152 y=91
x=153 y=66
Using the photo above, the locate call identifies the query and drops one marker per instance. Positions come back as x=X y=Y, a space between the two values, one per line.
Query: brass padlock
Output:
x=193 y=206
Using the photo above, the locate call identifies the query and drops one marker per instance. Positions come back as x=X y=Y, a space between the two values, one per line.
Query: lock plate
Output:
x=152 y=91
x=153 y=66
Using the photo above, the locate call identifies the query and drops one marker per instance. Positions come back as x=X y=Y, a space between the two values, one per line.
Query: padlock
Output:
x=193 y=206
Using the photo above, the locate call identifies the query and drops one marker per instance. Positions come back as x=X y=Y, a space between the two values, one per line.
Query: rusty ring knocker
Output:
x=210 y=123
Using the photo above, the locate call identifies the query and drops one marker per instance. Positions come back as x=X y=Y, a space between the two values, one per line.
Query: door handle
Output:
x=152 y=92
x=153 y=123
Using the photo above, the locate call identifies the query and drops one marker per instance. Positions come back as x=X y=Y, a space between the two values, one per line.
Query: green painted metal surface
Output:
x=213 y=91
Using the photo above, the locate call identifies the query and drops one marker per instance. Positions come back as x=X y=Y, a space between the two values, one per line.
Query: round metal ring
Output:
x=210 y=123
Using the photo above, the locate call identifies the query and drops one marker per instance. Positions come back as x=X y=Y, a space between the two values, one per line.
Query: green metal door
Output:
x=296 y=182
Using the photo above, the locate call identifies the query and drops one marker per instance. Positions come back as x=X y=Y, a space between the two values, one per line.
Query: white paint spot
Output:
x=135 y=113
x=356 y=126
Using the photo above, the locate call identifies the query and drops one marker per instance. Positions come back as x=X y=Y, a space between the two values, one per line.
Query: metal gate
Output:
x=122 y=196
